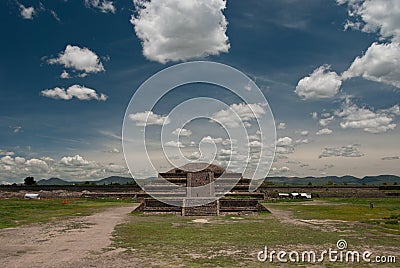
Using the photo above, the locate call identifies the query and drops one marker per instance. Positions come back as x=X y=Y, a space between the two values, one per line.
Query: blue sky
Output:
x=68 y=70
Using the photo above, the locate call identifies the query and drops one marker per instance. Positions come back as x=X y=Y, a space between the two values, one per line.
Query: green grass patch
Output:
x=346 y=209
x=16 y=212
x=225 y=241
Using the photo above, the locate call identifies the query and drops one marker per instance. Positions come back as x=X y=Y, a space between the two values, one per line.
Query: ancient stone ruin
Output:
x=199 y=189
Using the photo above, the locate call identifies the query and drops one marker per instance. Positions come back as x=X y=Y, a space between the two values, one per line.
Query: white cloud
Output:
x=255 y=144
x=7 y=153
x=381 y=16
x=281 y=126
x=68 y=167
x=284 y=146
x=314 y=115
x=322 y=83
x=304 y=133
x=65 y=75
x=302 y=141
x=238 y=114
x=326 y=121
x=27 y=12
x=364 y=118
x=174 y=144
x=286 y=141
x=55 y=15
x=114 y=151
x=37 y=165
x=381 y=63
x=8 y=160
x=324 y=131
x=74 y=91
x=344 y=151
x=182 y=132
x=19 y=160
x=210 y=139
x=16 y=129
x=149 y=118
x=395 y=110
x=114 y=168
x=79 y=59
x=102 y=5
x=76 y=160
x=280 y=170
x=174 y=30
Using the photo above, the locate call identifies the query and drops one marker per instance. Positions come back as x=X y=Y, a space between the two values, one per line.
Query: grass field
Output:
x=16 y=212
x=233 y=241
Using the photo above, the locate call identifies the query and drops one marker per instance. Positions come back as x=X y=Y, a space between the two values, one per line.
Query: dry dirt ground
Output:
x=77 y=242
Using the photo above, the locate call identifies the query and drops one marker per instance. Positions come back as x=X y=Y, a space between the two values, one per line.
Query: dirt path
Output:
x=71 y=243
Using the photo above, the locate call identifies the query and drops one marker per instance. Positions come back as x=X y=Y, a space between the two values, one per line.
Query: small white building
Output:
x=305 y=195
x=283 y=195
x=31 y=196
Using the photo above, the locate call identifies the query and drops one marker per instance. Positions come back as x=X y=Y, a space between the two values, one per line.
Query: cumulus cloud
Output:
x=286 y=141
x=27 y=12
x=279 y=170
x=210 y=139
x=69 y=167
x=113 y=151
x=174 y=144
x=302 y=141
x=344 y=151
x=37 y=165
x=364 y=118
x=314 y=115
x=174 y=30
x=102 y=5
x=82 y=60
x=240 y=113
x=284 y=146
x=7 y=153
x=65 y=75
x=8 y=160
x=182 y=132
x=321 y=84
x=323 y=122
x=381 y=63
x=324 y=131
x=149 y=118
x=76 y=160
x=281 y=126
x=255 y=144
x=74 y=91
x=380 y=16
x=19 y=160
x=304 y=133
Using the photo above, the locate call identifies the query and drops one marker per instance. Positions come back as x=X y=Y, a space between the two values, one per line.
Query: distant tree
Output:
x=87 y=183
x=395 y=183
x=309 y=183
x=330 y=183
x=385 y=183
x=29 y=181
x=345 y=183
x=364 y=183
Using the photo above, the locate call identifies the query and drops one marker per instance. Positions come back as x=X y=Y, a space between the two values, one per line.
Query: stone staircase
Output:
x=210 y=209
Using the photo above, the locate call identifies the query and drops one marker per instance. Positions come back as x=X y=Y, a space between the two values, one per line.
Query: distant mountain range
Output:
x=349 y=180
x=105 y=181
